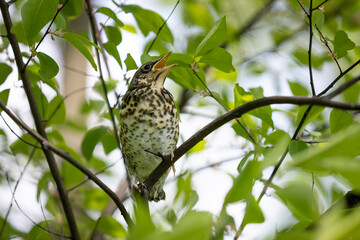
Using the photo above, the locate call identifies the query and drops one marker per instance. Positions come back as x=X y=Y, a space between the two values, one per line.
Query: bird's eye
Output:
x=147 y=67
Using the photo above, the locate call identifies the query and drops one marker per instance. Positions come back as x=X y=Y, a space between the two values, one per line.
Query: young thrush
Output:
x=148 y=123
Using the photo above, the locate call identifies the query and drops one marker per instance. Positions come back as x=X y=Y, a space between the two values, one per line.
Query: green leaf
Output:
x=274 y=137
x=297 y=89
x=296 y=147
x=110 y=47
x=95 y=199
x=191 y=226
x=357 y=52
x=219 y=58
x=149 y=21
x=48 y=66
x=4 y=96
x=60 y=22
x=342 y=44
x=73 y=8
x=5 y=71
x=182 y=74
x=242 y=97
x=253 y=213
x=35 y=15
x=243 y=184
x=56 y=112
x=314 y=113
x=196 y=13
x=109 y=142
x=113 y=34
x=80 y=44
x=92 y=137
x=339 y=120
x=198 y=147
x=213 y=39
x=71 y=175
x=130 y=63
x=339 y=155
x=318 y=18
x=299 y=198
x=110 y=226
x=110 y=13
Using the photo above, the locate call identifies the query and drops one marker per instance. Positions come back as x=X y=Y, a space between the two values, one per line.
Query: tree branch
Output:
x=161 y=27
x=47 y=145
x=111 y=112
x=233 y=114
x=38 y=122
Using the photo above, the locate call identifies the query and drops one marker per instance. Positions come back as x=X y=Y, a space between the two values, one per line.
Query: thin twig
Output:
x=47 y=145
x=318 y=6
x=20 y=138
x=233 y=114
x=97 y=173
x=33 y=222
x=161 y=27
x=111 y=112
x=13 y=192
x=226 y=109
x=310 y=49
x=69 y=214
x=46 y=33
x=302 y=121
x=323 y=40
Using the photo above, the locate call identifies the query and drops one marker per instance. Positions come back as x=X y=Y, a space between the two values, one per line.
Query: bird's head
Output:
x=152 y=73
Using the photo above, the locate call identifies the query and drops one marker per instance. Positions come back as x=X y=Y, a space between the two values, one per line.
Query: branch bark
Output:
x=233 y=114
x=38 y=122
x=47 y=145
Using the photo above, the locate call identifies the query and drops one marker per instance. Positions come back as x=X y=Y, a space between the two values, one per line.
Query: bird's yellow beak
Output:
x=161 y=64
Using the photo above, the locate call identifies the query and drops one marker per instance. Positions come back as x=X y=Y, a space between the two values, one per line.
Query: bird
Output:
x=148 y=123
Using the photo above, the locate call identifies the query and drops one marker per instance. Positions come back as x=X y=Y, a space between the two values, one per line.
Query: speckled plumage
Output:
x=149 y=121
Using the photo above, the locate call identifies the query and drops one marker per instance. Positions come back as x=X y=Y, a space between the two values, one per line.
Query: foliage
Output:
x=229 y=54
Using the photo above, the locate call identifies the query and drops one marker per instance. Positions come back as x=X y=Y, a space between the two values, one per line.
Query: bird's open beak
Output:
x=161 y=64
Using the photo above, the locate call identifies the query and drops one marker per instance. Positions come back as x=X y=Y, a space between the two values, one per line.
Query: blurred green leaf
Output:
x=73 y=8
x=339 y=120
x=80 y=44
x=56 y=112
x=197 y=13
x=296 y=147
x=92 y=137
x=198 y=147
x=299 y=198
x=130 y=63
x=95 y=199
x=318 y=18
x=5 y=70
x=4 y=96
x=219 y=58
x=213 y=39
x=110 y=226
x=276 y=136
x=297 y=89
x=253 y=213
x=71 y=175
x=314 y=113
x=149 y=21
x=109 y=142
x=110 y=13
x=60 y=22
x=48 y=66
x=113 y=34
x=337 y=156
x=110 y=47
x=192 y=226
x=35 y=15
x=243 y=184
x=342 y=44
